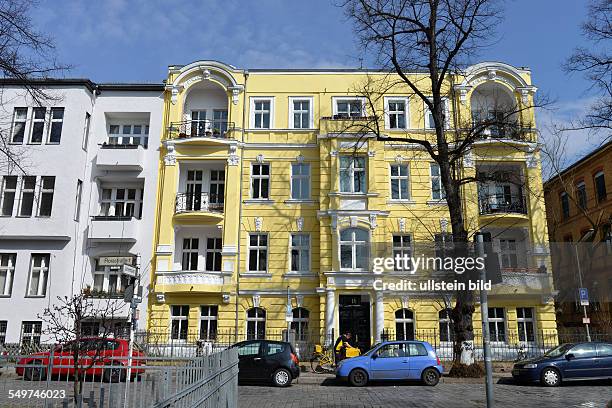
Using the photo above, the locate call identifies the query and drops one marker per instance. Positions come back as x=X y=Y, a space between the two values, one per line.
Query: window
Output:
x=217 y=188
x=600 y=186
x=199 y=124
x=194 y=190
x=349 y=108
x=57 y=122
x=110 y=279
x=581 y=195
x=28 y=184
x=429 y=117
x=437 y=189
x=300 y=181
x=443 y=246
x=262 y=113
x=300 y=116
x=208 y=322
x=256 y=323
x=299 y=323
x=179 y=320
x=417 y=349
x=397 y=113
x=497 y=324
x=219 y=123
x=508 y=253
x=46 y=196
x=38 y=125
x=404 y=324
x=354 y=249
x=260 y=181
x=393 y=350
x=603 y=349
x=20 y=116
x=128 y=134
x=7 y=271
x=446 y=325
x=9 y=190
x=300 y=252
x=249 y=349
x=77 y=200
x=190 y=254
x=399 y=182
x=213 y=254
x=402 y=247
x=121 y=202
x=271 y=349
x=86 y=131
x=524 y=321
x=30 y=333
x=258 y=252
x=565 y=207
x=3 y=327
x=39 y=273
x=585 y=350
x=352 y=174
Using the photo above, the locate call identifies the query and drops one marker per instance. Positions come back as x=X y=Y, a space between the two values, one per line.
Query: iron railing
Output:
x=503 y=130
x=189 y=202
x=502 y=203
x=221 y=129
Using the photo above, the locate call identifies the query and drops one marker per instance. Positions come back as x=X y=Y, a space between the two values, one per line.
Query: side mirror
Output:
x=569 y=356
x=374 y=356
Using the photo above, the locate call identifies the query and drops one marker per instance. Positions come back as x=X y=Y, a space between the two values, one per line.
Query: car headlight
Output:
x=530 y=366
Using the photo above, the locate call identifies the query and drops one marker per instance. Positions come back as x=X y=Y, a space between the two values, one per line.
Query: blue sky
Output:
x=134 y=41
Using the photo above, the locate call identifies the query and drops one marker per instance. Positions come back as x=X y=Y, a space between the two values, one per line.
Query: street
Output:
x=468 y=393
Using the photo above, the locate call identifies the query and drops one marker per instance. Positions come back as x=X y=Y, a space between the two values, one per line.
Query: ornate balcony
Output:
x=502 y=204
x=192 y=129
x=197 y=207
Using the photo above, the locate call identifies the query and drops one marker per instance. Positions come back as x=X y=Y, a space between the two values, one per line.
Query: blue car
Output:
x=567 y=362
x=393 y=360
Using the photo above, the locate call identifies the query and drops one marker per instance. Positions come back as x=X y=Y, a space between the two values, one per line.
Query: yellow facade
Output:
x=323 y=286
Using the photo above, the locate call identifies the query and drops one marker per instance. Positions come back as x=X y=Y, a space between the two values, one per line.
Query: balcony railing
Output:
x=502 y=203
x=190 y=202
x=508 y=130
x=200 y=128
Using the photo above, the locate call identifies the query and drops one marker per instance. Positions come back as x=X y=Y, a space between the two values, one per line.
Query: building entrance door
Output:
x=354 y=316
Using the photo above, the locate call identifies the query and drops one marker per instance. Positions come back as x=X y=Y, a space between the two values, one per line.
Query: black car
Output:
x=567 y=362
x=266 y=360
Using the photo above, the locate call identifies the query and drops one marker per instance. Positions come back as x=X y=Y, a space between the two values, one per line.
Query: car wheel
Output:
x=35 y=371
x=114 y=374
x=430 y=377
x=358 y=377
x=282 y=377
x=550 y=377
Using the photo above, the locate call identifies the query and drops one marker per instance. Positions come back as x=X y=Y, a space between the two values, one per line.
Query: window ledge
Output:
x=295 y=275
x=258 y=201
x=401 y=202
x=255 y=275
x=436 y=202
x=351 y=195
x=300 y=201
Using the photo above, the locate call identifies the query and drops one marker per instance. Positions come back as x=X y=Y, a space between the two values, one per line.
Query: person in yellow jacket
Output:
x=342 y=343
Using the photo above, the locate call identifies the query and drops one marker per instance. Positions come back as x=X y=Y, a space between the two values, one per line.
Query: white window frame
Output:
x=388 y=112
x=253 y=100
x=404 y=249
x=183 y=320
x=497 y=321
x=439 y=178
x=34 y=335
x=43 y=190
x=113 y=200
x=208 y=318
x=301 y=322
x=43 y=271
x=191 y=251
x=86 y=128
x=301 y=178
x=258 y=320
x=3 y=329
x=9 y=271
x=77 y=200
x=34 y=121
x=352 y=170
x=310 y=101
x=405 y=321
x=258 y=248
x=301 y=249
x=427 y=122
x=106 y=272
x=526 y=321
x=399 y=179
x=24 y=191
x=10 y=190
x=261 y=177
x=25 y=124
x=506 y=252
x=448 y=323
x=213 y=253
x=336 y=99
x=122 y=137
x=353 y=243
x=52 y=121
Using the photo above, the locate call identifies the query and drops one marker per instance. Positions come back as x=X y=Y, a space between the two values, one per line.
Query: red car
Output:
x=98 y=357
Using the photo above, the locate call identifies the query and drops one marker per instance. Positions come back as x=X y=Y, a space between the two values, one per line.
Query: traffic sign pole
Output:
x=484 y=312
x=584 y=307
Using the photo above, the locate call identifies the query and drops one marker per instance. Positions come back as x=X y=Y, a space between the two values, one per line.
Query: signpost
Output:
x=584 y=296
x=480 y=240
x=115 y=260
x=133 y=296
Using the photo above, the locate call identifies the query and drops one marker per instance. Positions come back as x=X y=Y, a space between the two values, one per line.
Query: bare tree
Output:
x=64 y=324
x=596 y=66
x=26 y=56
x=427 y=44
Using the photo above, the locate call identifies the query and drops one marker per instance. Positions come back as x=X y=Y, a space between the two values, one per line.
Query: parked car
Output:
x=567 y=362
x=103 y=357
x=393 y=360
x=265 y=360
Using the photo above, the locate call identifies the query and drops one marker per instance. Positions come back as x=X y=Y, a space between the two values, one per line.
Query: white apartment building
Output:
x=83 y=189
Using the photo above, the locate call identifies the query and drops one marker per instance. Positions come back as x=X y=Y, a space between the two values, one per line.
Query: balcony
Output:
x=494 y=131
x=197 y=208
x=201 y=130
x=114 y=229
x=120 y=157
x=502 y=204
x=192 y=281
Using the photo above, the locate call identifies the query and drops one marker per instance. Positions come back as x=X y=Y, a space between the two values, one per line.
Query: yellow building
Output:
x=266 y=197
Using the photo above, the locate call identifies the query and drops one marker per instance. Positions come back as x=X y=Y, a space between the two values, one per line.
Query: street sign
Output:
x=586 y=320
x=584 y=296
x=115 y=260
x=128 y=270
x=289 y=314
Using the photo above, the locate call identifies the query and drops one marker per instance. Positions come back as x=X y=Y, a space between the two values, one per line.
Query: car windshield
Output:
x=370 y=351
x=559 y=350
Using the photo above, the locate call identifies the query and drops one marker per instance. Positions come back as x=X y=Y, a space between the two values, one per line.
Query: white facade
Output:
x=110 y=216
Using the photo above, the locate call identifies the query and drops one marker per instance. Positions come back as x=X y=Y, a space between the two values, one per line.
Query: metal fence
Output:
x=47 y=379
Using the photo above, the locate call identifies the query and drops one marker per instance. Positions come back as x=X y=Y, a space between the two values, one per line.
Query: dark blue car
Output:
x=567 y=362
x=393 y=360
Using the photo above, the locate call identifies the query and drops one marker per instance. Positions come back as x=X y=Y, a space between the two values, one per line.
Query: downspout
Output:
x=244 y=104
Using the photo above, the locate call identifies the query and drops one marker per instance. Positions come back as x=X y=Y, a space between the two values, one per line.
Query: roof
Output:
x=579 y=162
x=86 y=83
